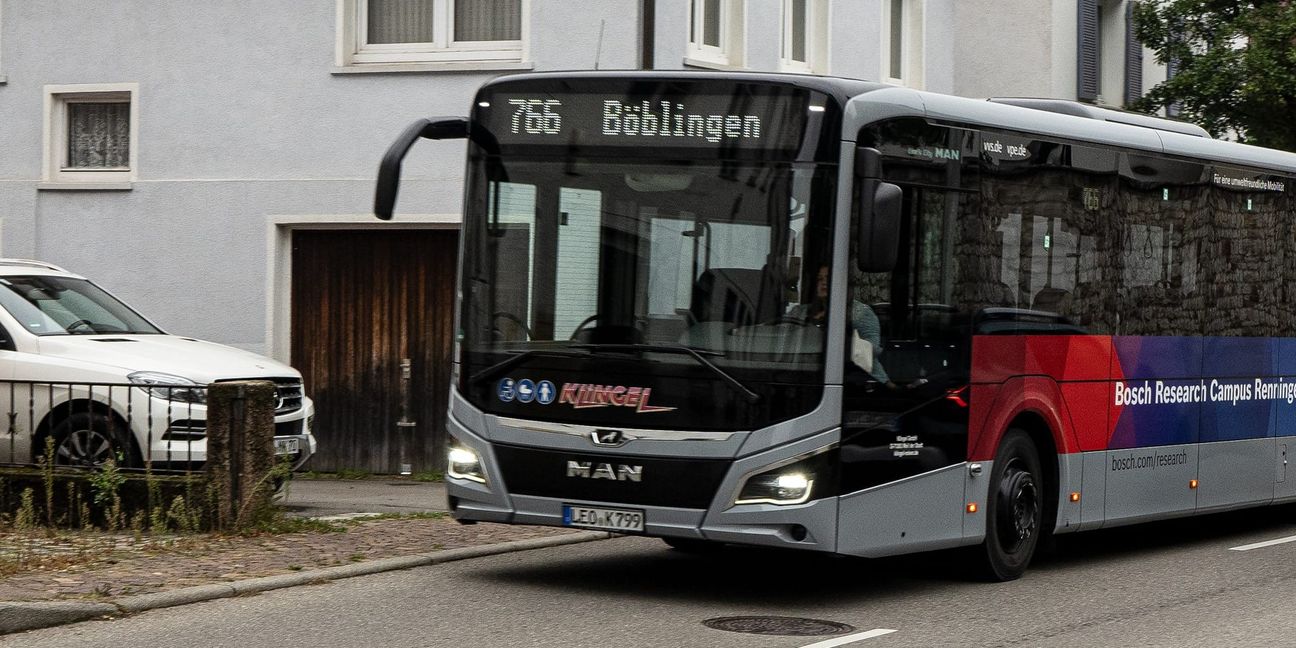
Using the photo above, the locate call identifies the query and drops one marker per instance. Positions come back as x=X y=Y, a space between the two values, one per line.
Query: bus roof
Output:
x=867 y=101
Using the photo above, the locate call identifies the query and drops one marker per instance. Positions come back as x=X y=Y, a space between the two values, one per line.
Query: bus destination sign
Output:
x=681 y=121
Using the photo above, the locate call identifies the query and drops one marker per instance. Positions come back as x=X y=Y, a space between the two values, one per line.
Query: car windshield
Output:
x=46 y=305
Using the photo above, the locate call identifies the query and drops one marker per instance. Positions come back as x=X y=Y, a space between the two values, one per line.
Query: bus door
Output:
x=904 y=422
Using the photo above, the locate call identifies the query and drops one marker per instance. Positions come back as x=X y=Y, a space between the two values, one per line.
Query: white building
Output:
x=213 y=163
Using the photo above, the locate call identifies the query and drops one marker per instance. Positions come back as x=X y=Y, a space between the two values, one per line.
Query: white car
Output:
x=79 y=366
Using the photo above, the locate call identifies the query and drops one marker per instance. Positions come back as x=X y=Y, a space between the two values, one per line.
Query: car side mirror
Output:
x=877 y=212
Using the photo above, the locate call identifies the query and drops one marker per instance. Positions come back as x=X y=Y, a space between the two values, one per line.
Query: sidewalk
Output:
x=75 y=576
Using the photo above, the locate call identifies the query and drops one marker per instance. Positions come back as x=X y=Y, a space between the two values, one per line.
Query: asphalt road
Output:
x=1171 y=584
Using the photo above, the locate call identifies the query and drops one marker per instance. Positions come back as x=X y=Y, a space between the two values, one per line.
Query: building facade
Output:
x=213 y=163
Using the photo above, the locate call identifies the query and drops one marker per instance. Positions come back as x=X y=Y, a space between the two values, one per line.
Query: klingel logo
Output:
x=583 y=396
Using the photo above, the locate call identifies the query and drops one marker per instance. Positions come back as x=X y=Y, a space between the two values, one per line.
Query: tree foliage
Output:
x=1235 y=65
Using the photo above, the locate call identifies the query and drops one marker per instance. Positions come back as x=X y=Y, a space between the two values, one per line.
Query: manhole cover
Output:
x=777 y=625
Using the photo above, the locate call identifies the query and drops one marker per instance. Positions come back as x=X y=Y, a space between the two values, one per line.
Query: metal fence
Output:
x=154 y=426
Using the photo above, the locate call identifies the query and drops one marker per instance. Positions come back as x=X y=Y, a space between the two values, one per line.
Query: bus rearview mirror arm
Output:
x=389 y=169
x=877 y=213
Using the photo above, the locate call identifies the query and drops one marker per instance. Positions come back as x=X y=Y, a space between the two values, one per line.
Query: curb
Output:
x=21 y=616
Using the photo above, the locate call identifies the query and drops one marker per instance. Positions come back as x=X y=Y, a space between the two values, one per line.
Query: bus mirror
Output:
x=390 y=168
x=879 y=225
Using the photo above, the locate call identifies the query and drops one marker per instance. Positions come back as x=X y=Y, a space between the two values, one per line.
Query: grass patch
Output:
x=429 y=476
x=348 y=473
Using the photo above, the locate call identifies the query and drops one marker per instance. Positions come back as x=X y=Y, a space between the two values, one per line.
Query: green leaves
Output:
x=1235 y=65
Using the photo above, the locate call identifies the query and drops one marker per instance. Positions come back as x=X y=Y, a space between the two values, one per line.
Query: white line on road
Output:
x=1266 y=543
x=842 y=641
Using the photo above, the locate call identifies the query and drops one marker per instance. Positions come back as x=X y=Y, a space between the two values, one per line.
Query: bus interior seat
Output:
x=739 y=296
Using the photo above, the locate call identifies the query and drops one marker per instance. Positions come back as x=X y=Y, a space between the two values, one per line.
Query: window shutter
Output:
x=1133 y=59
x=1087 y=51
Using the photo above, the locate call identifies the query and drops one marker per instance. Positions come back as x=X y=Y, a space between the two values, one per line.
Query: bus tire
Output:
x=1014 y=509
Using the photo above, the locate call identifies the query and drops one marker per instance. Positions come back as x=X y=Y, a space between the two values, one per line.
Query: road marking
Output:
x=1266 y=543
x=842 y=641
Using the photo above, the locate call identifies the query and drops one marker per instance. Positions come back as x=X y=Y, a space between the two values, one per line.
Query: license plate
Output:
x=603 y=518
x=290 y=445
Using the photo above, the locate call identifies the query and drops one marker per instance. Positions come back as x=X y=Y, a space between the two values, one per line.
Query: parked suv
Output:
x=82 y=368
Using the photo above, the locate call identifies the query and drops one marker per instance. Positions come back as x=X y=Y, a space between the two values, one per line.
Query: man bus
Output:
x=1085 y=316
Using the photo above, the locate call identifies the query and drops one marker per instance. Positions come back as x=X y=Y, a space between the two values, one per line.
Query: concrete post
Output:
x=240 y=450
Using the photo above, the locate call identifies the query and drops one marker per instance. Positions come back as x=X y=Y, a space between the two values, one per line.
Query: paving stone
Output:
x=100 y=566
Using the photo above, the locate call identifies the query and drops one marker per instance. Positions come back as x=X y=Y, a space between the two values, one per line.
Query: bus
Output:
x=842 y=316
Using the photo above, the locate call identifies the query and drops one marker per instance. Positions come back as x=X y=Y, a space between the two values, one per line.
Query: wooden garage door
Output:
x=361 y=302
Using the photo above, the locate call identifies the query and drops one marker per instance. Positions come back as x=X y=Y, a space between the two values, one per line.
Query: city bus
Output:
x=841 y=316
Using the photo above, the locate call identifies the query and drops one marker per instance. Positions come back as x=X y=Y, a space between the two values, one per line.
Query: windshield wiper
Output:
x=696 y=354
x=516 y=360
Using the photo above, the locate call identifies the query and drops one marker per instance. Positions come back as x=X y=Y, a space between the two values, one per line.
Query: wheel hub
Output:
x=1018 y=508
x=84 y=447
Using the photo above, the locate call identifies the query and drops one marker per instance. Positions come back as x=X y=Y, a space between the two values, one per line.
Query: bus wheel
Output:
x=1014 y=509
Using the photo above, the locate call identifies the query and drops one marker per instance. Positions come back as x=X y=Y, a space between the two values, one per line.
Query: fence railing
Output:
x=141 y=427
x=203 y=457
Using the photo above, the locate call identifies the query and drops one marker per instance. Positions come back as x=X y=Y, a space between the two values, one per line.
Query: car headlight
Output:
x=794 y=482
x=169 y=387
x=465 y=464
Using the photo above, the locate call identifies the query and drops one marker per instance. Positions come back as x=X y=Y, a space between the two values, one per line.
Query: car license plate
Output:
x=290 y=445
x=603 y=518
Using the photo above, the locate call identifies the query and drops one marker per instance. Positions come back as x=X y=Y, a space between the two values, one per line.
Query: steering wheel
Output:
x=517 y=321
x=584 y=324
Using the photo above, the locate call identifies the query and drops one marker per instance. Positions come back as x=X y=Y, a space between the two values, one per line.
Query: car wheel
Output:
x=90 y=439
x=1014 y=509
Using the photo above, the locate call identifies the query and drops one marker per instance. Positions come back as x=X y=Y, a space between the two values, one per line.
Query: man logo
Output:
x=591 y=470
x=607 y=437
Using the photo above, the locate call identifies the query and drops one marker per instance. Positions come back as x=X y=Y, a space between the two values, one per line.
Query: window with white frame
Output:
x=715 y=33
x=902 y=38
x=805 y=36
x=431 y=31
x=91 y=133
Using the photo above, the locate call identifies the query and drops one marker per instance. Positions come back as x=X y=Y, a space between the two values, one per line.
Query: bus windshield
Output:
x=694 y=283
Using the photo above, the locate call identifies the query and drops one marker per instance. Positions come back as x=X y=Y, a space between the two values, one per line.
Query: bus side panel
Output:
x=1073 y=398
x=1152 y=455
x=1238 y=435
x=1285 y=426
x=1038 y=395
x=1150 y=483
x=919 y=513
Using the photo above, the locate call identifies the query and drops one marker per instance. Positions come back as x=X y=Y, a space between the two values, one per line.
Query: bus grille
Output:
x=680 y=483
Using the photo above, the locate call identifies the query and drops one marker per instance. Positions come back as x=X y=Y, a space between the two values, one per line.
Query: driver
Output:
x=862 y=319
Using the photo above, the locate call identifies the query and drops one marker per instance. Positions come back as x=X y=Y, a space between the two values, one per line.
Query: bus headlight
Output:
x=465 y=464
x=777 y=487
x=795 y=481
